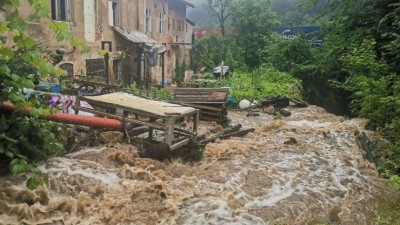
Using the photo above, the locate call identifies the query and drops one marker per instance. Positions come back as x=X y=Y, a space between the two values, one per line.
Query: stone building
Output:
x=142 y=38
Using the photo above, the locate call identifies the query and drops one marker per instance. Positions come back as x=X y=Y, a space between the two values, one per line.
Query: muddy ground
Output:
x=302 y=169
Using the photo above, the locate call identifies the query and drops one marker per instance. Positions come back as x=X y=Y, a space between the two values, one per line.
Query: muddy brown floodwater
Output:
x=303 y=169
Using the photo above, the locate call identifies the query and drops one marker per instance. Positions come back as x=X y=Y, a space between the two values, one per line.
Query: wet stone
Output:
x=111 y=137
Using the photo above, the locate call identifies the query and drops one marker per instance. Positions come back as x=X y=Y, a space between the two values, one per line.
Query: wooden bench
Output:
x=212 y=102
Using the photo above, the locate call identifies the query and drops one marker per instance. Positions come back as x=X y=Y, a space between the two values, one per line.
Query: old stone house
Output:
x=143 y=38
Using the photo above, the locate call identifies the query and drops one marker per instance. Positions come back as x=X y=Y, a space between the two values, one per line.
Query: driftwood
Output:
x=285 y=112
x=277 y=102
x=368 y=147
x=298 y=103
x=232 y=129
x=223 y=135
x=282 y=102
x=139 y=130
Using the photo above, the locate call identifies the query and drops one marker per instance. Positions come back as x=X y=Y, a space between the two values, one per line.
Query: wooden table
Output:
x=149 y=113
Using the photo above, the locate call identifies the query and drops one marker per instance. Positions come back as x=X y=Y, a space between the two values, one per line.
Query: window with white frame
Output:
x=113 y=12
x=147 y=27
x=161 y=23
x=60 y=10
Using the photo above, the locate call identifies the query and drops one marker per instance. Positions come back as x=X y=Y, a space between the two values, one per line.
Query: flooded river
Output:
x=303 y=169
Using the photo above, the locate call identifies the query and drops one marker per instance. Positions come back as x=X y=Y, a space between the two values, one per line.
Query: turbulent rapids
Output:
x=303 y=169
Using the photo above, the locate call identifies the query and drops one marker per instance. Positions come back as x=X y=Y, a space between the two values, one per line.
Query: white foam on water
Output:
x=321 y=175
x=212 y=210
x=273 y=195
x=316 y=173
x=308 y=123
x=85 y=151
x=58 y=166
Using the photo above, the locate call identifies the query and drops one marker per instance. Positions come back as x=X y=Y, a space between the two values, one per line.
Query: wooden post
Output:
x=139 y=53
x=152 y=119
x=162 y=70
x=195 y=121
x=78 y=104
x=169 y=130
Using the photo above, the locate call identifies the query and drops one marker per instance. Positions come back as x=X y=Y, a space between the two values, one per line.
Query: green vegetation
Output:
x=180 y=69
x=23 y=62
x=210 y=51
x=253 y=20
x=355 y=72
x=260 y=84
x=389 y=213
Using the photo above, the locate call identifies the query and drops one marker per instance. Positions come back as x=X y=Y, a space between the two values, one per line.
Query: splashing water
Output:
x=304 y=169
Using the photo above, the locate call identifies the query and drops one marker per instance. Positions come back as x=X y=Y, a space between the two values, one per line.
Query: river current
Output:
x=302 y=169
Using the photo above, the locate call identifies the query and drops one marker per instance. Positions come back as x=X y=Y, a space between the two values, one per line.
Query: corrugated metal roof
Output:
x=141 y=38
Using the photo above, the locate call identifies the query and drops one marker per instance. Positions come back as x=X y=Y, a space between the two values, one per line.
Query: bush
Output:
x=376 y=96
x=260 y=84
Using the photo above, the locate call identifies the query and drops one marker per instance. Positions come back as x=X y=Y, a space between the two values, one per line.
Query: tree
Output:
x=389 y=27
x=23 y=61
x=253 y=20
x=210 y=51
x=297 y=12
x=363 y=44
x=222 y=10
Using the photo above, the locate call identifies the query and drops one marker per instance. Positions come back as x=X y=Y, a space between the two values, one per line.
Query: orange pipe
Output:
x=90 y=121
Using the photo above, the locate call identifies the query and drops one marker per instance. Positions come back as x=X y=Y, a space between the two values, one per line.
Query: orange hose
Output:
x=90 y=121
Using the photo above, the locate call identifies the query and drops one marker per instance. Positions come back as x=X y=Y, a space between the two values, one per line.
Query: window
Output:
x=169 y=24
x=69 y=67
x=161 y=23
x=147 y=27
x=179 y=25
x=113 y=12
x=173 y=24
x=95 y=67
x=60 y=10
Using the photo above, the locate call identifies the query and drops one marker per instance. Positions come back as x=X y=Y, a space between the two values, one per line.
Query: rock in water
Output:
x=158 y=151
x=109 y=137
x=285 y=112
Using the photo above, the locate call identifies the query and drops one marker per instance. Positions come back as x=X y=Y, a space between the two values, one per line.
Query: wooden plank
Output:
x=139 y=130
x=179 y=144
x=197 y=100
x=154 y=125
x=137 y=104
x=210 y=113
x=200 y=90
x=201 y=106
x=228 y=135
x=232 y=129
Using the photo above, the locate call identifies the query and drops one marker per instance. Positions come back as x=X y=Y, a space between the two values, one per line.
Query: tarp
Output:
x=152 y=48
